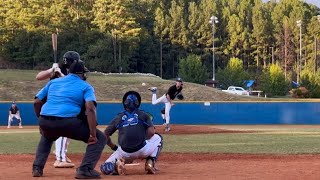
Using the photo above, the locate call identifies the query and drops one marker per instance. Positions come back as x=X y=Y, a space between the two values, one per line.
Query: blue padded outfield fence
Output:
x=197 y=113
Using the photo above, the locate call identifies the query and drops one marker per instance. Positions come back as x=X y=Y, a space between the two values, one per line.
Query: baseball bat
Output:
x=54 y=47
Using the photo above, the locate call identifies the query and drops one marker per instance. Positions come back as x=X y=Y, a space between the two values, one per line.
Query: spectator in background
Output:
x=14 y=113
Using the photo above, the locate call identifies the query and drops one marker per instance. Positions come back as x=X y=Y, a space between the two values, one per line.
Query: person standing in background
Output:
x=14 y=112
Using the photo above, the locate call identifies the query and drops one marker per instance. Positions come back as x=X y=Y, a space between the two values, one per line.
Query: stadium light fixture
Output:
x=213 y=21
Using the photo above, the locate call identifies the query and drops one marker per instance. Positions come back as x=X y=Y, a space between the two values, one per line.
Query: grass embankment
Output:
x=21 y=85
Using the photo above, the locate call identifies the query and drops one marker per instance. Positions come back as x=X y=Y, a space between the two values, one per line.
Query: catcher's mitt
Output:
x=180 y=97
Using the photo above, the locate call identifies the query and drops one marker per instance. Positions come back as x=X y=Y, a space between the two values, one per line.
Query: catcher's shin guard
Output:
x=116 y=168
x=149 y=166
x=107 y=168
x=160 y=146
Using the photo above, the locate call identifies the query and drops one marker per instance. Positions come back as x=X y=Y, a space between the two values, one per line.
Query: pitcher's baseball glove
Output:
x=180 y=97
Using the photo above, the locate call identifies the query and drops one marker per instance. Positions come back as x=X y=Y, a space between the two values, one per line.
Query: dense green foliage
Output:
x=151 y=36
x=192 y=69
x=233 y=74
x=273 y=82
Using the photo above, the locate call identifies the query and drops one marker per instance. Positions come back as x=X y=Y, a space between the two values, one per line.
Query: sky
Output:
x=315 y=2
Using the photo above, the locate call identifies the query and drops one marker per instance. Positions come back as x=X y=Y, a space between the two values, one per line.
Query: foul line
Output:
x=17 y=132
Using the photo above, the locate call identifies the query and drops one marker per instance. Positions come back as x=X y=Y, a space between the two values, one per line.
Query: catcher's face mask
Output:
x=131 y=103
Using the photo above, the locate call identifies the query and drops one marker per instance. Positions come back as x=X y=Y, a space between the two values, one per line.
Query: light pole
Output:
x=213 y=21
x=299 y=24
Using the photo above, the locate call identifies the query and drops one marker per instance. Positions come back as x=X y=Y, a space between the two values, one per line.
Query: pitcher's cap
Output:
x=179 y=79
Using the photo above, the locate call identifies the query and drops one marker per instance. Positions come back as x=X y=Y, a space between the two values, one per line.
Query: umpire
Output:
x=59 y=117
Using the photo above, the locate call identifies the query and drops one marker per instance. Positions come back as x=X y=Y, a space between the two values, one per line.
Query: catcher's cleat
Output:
x=153 y=89
x=120 y=167
x=87 y=174
x=149 y=167
x=62 y=164
x=37 y=172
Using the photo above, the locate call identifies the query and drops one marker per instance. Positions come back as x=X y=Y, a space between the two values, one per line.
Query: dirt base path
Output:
x=183 y=166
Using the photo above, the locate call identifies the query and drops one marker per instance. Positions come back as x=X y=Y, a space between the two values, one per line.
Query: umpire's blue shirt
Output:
x=65 y=96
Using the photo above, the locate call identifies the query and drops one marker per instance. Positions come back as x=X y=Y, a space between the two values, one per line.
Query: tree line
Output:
x=160 y=36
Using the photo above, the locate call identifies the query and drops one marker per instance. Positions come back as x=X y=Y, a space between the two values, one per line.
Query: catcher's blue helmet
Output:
x=131 y=100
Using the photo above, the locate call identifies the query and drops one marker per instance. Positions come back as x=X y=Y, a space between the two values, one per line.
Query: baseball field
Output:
x=206 y=152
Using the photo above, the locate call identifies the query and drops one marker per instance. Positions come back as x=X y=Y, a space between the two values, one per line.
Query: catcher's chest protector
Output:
x=130 y=119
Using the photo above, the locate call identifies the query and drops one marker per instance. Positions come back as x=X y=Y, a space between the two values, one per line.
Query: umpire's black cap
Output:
x=78 y=68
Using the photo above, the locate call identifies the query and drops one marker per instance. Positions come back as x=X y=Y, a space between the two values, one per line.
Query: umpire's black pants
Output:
x=54 y=127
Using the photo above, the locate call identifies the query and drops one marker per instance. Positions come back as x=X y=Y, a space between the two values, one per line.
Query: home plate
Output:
x=133 y=164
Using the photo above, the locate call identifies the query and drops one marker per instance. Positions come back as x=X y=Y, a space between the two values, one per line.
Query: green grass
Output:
x=271 y=141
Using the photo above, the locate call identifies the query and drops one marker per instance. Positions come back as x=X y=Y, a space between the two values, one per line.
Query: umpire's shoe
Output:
x=86 y=173
x=149 y=167
x=153 y=89
x=37 y=171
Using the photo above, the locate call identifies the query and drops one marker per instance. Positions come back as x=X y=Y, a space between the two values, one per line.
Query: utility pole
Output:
x=213 y=21
x=299 y=24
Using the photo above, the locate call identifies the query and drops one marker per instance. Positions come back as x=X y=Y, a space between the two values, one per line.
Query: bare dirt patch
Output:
x=183 y=166
x=196 y=129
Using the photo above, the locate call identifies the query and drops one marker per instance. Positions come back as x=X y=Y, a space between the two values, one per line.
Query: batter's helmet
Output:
x=70 y=57
x=131 y=100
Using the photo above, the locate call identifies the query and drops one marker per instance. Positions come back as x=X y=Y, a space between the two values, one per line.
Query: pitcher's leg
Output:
x=167 y=115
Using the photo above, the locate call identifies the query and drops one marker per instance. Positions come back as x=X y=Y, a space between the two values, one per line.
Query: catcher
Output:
x=172 y=93
x=136 y=137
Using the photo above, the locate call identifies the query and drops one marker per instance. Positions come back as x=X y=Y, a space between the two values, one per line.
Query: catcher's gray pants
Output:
x=52 y=128
x=151 y=149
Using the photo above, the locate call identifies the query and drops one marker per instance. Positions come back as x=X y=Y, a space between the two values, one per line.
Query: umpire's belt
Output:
x=129 y=150
x=53 y=117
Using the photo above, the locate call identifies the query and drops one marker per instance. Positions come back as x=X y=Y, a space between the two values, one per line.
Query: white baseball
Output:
x=143 y=84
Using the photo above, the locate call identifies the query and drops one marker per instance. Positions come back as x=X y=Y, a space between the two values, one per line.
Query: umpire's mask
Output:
x=131 y=100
